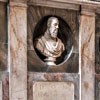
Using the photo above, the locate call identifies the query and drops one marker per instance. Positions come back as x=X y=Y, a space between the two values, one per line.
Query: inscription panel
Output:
x=0 y=90
x=53 y=91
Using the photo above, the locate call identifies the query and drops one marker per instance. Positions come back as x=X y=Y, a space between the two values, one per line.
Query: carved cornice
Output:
x=18 y=4
x=19 y=1
x=55 y=3
x=64 y=4
x=68 y=4
x=4 y=1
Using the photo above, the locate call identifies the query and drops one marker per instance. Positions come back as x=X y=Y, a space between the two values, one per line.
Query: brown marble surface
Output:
x=34 y=77
x=35 y=64
x=87 y=33
x=35 y=13
x=97 y=87
x=3 y=23
x=18 y=53
x=3 y=37
x=4 y=78
x=3 y=56
x=97 y=44
x=19 y=1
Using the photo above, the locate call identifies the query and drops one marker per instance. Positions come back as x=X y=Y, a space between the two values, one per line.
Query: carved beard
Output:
x=53 y=32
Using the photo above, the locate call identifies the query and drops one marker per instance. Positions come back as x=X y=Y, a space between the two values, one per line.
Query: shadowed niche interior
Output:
x=64 y=33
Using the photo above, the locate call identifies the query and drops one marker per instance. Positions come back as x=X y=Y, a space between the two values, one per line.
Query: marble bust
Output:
x=49 y=44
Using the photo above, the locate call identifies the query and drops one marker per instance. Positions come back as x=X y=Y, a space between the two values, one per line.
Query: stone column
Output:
x=87 y=51
x=17 y=51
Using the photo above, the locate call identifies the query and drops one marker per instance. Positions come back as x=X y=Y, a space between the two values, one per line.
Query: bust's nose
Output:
x=57 y=26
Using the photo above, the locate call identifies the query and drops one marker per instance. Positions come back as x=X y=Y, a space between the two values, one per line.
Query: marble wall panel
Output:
x=53 y=91
x=3 y=22
x=3 y=36
x=4 y=77
x=97 y=87
x=3 y=56
x=18 y=52
x=35 y=13
x=87 y=33
x=97 y=57
x=97 y=44
x=34 y=77
x=70 y=66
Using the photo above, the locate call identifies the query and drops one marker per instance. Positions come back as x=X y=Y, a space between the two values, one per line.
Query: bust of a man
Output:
x=49 y=44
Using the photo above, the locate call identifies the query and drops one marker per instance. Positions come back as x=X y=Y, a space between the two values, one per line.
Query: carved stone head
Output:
x=53 y=25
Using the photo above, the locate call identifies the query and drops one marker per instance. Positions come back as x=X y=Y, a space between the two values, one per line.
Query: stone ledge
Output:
x=18 y=4
x=5 y=1
x=66 y=4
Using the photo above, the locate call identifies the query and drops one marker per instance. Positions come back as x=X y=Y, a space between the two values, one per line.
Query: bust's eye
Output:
x=55 y=24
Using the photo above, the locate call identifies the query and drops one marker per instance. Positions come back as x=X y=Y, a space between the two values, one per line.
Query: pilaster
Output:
x=87 y=52
x=17 y=50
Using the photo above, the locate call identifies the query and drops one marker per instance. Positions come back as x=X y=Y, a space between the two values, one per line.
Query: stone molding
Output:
x=86 y=10
x=17 y=4
x=55 y=4
x=63 y=4
x=3 y=0
x=68 y=4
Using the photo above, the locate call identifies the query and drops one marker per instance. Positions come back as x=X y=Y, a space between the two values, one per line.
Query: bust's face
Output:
x=53 y=29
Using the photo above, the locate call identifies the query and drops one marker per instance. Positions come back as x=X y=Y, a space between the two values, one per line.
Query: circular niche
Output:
x=64 y=34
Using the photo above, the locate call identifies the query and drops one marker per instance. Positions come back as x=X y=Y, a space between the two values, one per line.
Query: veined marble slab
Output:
x=53 y=91
x=18 y=51
x=87 y=47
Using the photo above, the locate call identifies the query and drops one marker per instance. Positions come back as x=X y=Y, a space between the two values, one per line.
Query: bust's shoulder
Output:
x=61 y=44
x=39 y=40
x=59 y=40
x=39 y=43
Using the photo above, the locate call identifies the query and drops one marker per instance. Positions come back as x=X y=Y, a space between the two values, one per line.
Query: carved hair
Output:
x=50 y=20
